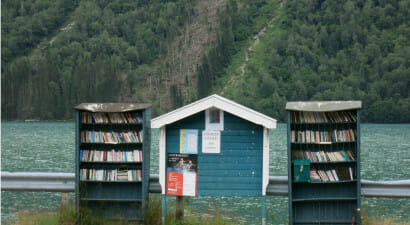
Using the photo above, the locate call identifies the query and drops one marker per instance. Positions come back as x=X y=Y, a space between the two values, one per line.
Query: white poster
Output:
x=189 y=184
x=192 y=140
x=211 y=141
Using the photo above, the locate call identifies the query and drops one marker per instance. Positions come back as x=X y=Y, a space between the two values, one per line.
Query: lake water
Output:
x=49 y=147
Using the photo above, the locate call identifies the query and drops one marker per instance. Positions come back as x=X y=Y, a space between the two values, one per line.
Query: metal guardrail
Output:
x=388 y=189
x=34 y=181
x=278 y=185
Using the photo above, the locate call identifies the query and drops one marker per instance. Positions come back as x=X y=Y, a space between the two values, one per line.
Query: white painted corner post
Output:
x=162 y=155
x=265 y=171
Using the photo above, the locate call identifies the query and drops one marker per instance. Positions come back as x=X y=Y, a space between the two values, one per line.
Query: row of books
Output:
x=322 y=117
x=110 y=175
x=111 y=156
x=115 y=117
x=337 y=174
x=312 y=136
x=322 y=156
x=111 y=136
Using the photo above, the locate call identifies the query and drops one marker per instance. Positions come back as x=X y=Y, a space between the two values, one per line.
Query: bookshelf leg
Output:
x=65 y=199
x=263 y=210
x=163 y=209
x=179 y=214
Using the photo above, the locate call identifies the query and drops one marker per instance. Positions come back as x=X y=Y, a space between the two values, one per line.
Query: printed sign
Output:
x=211 y=141
x=181 y=174
x=188 y=141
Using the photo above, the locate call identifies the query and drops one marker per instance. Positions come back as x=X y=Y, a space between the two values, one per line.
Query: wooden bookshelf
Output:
x=112 y=159
x=324 y=139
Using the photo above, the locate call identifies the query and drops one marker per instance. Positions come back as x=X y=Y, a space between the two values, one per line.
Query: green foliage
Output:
x=331 y=50
x=25 y=23
x=91 y=58
x=237 y=24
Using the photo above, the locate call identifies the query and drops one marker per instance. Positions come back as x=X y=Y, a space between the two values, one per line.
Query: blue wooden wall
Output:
x=237 y=170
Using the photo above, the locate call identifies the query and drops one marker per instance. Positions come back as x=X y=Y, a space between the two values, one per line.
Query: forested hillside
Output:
x=88 y=59
x=58 y=54
x=328 y=50
x=261 y=53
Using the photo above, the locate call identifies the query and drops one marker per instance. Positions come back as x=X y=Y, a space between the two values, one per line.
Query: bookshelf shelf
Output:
x=323 y=143
x=111 y=143
x=110 y=124
x=324 y=123
x=116 y=198
x=323 y=222
x=89 y=145
x=324 y=139
x=109 y=163
x=110 y=200
x=332 y=182
x=324 y=199
x=335 y=162
x=107 y=181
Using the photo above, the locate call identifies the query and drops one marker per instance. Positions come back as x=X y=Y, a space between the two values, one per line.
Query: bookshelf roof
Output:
x=111 y=107
x=214 y=101
x=323 y=106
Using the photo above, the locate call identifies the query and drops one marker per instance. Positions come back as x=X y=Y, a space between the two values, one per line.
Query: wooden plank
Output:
x=239 y=152
x=225 y=140
x=230 y=193
x=238 y=166
x=233 y=179
x=171 y=144
x=244 y=132
x=196 y=121
x=239 y=173
x=228 y=186
x=224 y=160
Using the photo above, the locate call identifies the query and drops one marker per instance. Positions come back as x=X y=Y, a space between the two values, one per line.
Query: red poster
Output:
x=175 y=183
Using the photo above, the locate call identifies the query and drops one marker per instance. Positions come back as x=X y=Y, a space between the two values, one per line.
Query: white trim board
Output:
x=162 y=156
x=265 y=165
x=217 y=102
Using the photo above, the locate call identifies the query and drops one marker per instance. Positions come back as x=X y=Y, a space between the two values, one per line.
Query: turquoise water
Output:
x=49 y=147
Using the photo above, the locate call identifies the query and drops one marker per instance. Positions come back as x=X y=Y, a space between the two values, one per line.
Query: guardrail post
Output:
x=179 y=214
x=65 y=199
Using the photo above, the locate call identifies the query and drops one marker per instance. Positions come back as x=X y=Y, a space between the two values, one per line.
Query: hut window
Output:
x=214 y=116
x=214 y=119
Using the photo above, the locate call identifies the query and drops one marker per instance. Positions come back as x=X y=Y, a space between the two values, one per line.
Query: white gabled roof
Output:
x=217 y=102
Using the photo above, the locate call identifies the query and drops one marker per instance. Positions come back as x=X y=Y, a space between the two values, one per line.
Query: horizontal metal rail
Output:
x=278 y=185
x=34 y=181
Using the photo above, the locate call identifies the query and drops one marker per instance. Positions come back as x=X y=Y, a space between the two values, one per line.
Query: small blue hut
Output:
x=214 y=147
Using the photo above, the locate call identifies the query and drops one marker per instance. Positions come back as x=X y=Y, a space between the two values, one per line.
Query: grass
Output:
x=67 y=216
x=380 y=220
x=152 y=216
